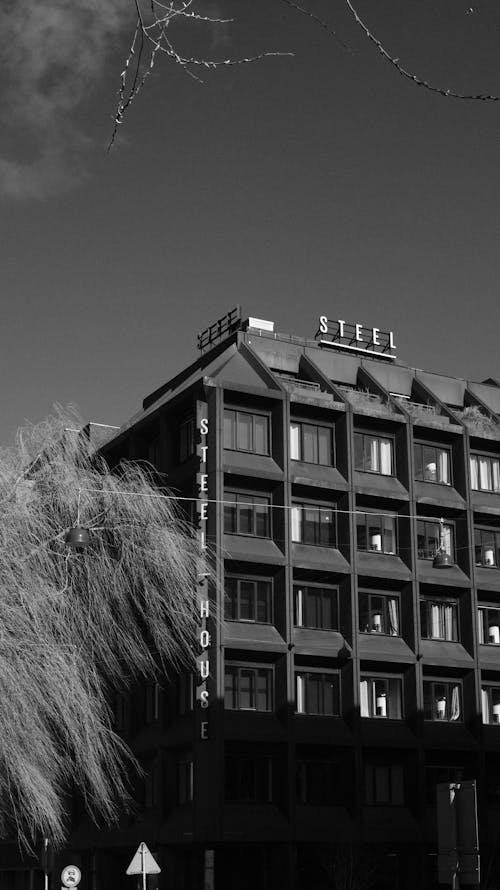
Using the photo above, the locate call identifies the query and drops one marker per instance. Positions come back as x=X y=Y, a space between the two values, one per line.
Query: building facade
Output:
x=341 y=674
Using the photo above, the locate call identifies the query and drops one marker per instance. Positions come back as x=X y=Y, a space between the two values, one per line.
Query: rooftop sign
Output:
x=355 y=338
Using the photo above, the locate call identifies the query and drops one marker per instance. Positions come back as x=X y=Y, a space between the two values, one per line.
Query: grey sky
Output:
x=322 y=184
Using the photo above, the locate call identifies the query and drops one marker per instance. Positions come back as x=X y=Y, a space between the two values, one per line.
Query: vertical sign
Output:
x=458 y=859
x=202 y=693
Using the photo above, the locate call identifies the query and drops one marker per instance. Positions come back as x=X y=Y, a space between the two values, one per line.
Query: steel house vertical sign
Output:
x=202 y=693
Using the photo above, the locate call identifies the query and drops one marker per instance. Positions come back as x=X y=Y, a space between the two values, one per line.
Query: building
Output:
x=342 y=672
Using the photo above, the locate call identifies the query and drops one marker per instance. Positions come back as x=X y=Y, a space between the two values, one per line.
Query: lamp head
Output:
x=78 y=538
x=442 y=560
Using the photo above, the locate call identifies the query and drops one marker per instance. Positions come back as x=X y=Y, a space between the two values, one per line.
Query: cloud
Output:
x=50 y=173
x=53 y=53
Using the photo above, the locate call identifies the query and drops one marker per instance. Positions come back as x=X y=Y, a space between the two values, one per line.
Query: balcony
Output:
x=302 y=390
x=427 y=414
x=366 y=402
x=478 y=423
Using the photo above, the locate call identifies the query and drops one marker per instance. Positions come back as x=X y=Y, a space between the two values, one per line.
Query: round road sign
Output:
x=71 y=876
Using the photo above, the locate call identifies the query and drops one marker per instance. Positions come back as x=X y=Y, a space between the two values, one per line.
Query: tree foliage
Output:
x=74 y=626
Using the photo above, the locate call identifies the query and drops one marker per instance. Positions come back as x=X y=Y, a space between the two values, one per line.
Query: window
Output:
x=490 y=704
x=487 y=547
x=185 y=693
x=316 y=607
x=248 y=779
x=438 y=620
x=249 y=600
x=185 y=779
x=152 y=786
x=381 y=697
x=373 y=454
x=246 y=432
x=313 y=524
x=317 y=693
x=248 y=688
x=186 y=439
x=310 y=443
x=384 y=785
x=246 y=514
x=484 y=472
x=120 y=711
x=154 y=451
x=435 y=774
x=376 y=532
x=318 y=782
x=442 y=701
x=492 y=770
x=489 y=626
x=428 y=538
x=432 y=464
x=379 y=613
x=152 y=702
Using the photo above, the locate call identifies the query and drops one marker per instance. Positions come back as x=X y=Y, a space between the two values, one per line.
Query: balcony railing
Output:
x=291 y=382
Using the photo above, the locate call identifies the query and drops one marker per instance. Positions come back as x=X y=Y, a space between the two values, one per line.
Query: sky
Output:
x=318 y=183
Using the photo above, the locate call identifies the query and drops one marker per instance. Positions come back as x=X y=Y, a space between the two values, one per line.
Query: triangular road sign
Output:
x=143 y=862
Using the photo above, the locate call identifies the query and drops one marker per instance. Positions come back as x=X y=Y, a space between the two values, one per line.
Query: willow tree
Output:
x=77 y=623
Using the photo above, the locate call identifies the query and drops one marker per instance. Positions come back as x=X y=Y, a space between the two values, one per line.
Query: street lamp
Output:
x=442 y=559
x=78 y=538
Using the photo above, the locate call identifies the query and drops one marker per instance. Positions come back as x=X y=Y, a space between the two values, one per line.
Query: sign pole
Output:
x=46 y=862
x=143 y=867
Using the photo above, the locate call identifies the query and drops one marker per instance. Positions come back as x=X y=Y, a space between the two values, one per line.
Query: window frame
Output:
x=255 y=580
x=185 y=693
x=184 y=455
x=449 y=683
x=255 y=667
x=386 y=621
x=317 y=672
x=152 y=784
x=437 y=773
x=253 y=415
x=303 y=782
x=306 y=505
x=255 y=760
x=488 y=688
x=246 y=501
x=362 y=520
x=485 y=608
x=332 y=589
x=370 y=789
x=375 y=677
x=480 y=530
x=491 y=458
x=437 y=448
x=152 y=695
x=441 y=602
x=449 y=523
x=378 y=437
x=185 y=779
x=317 y=426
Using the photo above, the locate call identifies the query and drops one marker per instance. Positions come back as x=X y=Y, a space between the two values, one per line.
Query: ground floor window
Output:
x=384 y=784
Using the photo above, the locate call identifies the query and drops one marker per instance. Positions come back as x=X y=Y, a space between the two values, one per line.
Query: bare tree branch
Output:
x=449 y=94
x=154 y=32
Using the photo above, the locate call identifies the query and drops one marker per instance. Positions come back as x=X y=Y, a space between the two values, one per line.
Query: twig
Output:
x=449 y=94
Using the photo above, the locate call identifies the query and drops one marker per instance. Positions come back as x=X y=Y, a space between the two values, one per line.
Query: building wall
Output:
x=318 y=792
